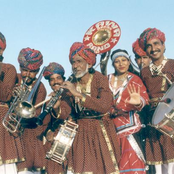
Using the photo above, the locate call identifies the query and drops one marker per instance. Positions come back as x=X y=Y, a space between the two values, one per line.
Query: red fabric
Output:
x=83 y=51
x=150 y=33
x=2 y=41
x=129 y=163
x=30 y=59
x=137 y=49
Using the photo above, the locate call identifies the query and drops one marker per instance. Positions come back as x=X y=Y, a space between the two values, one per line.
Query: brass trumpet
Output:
x=22 y=108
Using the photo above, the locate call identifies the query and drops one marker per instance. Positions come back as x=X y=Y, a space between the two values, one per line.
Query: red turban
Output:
x=83 y=51
x=2 y=41
x=30 y=59
x=137 y=49
x=150 y=33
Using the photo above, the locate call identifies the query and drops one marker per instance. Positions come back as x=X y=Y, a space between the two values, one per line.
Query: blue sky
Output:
x=52 y=26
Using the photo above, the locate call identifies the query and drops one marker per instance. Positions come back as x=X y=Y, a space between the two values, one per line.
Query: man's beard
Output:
x=82 y=73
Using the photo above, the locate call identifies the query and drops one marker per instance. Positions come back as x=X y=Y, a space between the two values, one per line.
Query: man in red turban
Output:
x=95 y=148
x=11 y=149
x=149 y=34
x=30 y=61
x=157 y=77
x=141 y=57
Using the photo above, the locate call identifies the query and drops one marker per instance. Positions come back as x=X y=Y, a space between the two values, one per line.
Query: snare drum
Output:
x=163 y=117
x=62 y=142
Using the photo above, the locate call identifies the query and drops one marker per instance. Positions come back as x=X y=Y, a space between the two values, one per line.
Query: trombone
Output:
x=22 y=108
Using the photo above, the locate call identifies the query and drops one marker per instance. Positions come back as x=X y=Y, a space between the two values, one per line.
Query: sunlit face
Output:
x=155 y=49
x=31 y=74
x=79 y=66
x=143 y=61
x=121 y=65
x=55 y=81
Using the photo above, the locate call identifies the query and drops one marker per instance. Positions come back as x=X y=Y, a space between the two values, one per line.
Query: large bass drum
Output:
x=163 y=118
x=62 y=142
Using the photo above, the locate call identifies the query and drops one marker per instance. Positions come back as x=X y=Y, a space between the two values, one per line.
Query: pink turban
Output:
x=30 y=59
x=2 y=41
x=137 y=49
x=83 y=51
x=148 y=34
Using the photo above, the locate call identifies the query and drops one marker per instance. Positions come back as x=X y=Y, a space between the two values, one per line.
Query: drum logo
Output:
x=102 y=36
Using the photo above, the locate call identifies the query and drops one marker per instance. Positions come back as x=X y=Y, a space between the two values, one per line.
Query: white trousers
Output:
x=165 y=168
x=29 y=172
x=8 y=169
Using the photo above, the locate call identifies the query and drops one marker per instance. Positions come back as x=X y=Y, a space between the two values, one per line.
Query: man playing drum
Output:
x=95 y=148
x=157 y=77
x=30 y=61
x=11 y=150
x=54 y=73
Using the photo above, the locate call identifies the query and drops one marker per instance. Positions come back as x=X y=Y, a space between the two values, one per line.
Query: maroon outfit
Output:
x=159 y=147
x=32 y=138
x=54 y=120
x=10 y=147
x=95 y=148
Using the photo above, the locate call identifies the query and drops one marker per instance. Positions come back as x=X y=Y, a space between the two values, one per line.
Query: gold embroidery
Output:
x=11 y=161
x=30 y=169
x=109 y=147
x=163 y=84
x=159 y=162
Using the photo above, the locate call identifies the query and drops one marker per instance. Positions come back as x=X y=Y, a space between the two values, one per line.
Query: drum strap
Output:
x=136 y=148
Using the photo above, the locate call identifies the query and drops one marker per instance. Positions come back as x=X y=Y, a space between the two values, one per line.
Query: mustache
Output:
x=56 y=84
x=155 y=51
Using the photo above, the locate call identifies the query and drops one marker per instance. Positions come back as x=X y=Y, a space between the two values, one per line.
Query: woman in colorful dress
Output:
x=130 y=96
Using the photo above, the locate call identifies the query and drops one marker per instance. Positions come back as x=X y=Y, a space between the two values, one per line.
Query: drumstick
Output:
x=39 y=104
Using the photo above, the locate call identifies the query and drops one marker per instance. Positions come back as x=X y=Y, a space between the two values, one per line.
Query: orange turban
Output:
x=83 y=51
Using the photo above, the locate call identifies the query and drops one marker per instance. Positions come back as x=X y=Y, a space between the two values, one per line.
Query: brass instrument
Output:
x=51 y=103
x=22 y=108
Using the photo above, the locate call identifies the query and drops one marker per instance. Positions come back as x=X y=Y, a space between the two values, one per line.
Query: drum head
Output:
x=164 y=108
x=102 y=36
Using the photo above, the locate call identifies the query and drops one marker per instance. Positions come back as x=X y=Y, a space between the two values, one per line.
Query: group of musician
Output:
x=113 y=112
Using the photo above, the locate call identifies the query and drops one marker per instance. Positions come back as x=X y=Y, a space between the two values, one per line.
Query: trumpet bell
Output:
x=25 y=110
